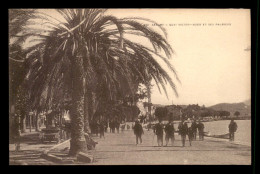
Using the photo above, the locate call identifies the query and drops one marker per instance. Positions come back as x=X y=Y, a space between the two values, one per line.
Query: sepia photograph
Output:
x=132 y=86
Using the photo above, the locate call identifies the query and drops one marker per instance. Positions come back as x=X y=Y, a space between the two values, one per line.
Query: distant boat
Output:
x=223 y=136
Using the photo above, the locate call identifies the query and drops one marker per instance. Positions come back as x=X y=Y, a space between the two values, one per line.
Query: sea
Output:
x=242 y=135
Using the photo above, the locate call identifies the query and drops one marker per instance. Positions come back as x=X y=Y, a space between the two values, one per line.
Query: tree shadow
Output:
x=163 y=146
x=30 y=139
x=124 y=144
x=232 y=147
x=25 y=155
x=157 y=150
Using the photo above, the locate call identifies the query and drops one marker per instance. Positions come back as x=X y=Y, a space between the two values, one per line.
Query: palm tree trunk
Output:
x=77 y=142
x=30 y=122
x=149 y=98
x=92 y=104
x=37 y=121
x=23 y=124
x=87 y=103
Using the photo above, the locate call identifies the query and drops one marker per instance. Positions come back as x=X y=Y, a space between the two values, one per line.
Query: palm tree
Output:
x=88 y=50
x=18 y=67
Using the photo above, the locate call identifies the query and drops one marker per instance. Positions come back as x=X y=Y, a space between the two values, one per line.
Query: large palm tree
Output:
x=88 y=50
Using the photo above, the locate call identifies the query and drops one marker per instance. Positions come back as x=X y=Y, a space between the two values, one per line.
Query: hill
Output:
x=159 y=105
x=244 y=109
x=247 y=102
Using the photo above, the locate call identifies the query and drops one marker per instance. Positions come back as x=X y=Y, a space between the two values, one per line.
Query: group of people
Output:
x=169 y=130
x=191 y=131
x=114 y=125
x=183 y=130
x=97 y=127
x=100 y=127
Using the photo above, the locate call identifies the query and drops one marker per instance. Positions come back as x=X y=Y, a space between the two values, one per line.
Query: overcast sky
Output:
x=212 y=61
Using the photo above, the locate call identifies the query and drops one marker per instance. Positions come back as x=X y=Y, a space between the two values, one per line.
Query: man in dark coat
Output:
x=183 y=131
x=194 y=130
x=117 y=125
x=113 y=126
x=201 y=130
x=232 y=129
x=169 y=132
x=190 y=134
x=138 y=131
x=158 y=130
x=102 y=129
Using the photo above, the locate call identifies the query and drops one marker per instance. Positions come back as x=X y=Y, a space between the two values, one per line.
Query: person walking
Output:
x=201 y=130
x=158 y=130
x=190 y=134
x=183 y=131
x=113 y=126
x=117 y=125
x=232 y=129
x=194 y=127
x=102 y=129
x=169 y=132
x=138 y=131
x=110 y=125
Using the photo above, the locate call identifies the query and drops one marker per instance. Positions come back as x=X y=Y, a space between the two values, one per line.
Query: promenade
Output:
x=31 y=150
x=120 y=149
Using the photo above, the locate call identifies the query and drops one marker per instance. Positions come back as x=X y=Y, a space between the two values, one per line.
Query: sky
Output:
x=212 y=53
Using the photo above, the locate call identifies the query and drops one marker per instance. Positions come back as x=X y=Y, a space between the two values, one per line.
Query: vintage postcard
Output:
x=129 y=87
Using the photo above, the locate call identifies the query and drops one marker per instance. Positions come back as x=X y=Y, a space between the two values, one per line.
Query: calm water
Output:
x=242 y=135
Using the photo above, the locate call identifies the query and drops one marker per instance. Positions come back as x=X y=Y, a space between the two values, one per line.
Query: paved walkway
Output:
x=30 y=152
x=120 y=149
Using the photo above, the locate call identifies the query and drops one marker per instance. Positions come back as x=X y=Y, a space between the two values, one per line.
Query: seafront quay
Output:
x=120 y=149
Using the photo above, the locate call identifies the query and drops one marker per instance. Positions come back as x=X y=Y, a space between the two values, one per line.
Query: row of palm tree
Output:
x=90 y=57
